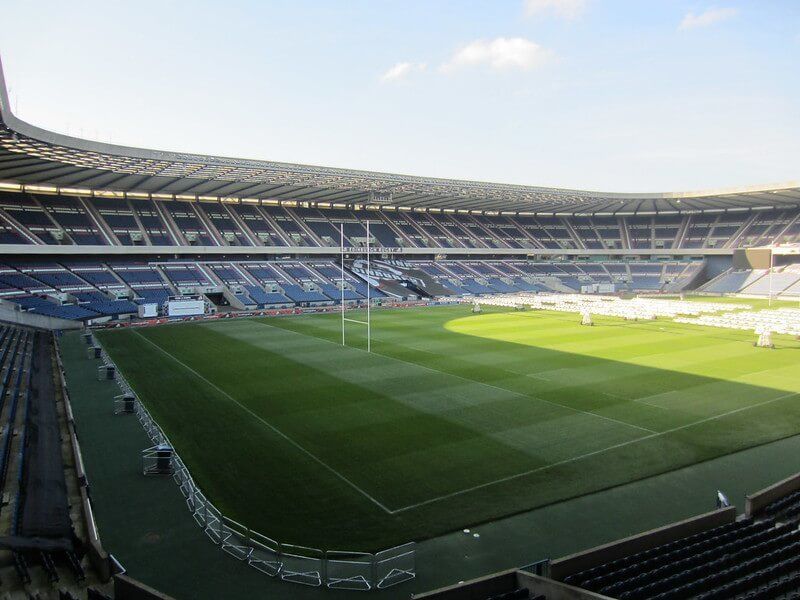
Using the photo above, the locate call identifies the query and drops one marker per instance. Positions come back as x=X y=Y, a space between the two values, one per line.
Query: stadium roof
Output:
x=33 y=156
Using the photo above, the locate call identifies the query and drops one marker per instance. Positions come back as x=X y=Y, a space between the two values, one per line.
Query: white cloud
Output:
x=706 y=18
x=564 y=9
x=500 y=54
x=401 y=70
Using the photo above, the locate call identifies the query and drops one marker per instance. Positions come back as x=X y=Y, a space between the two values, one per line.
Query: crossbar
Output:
x=356 y=321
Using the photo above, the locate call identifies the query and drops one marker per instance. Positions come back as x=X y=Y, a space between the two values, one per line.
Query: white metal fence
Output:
x=289 y=562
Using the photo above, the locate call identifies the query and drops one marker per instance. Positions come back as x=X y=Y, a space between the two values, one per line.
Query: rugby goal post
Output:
x=368 y=322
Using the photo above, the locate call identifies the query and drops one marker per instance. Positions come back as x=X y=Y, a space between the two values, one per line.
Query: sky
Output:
x=608 y=95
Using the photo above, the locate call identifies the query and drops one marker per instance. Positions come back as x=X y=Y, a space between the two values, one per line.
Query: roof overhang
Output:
x=32 y=156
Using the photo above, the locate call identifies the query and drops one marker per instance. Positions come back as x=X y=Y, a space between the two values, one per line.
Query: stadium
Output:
x=233 y=378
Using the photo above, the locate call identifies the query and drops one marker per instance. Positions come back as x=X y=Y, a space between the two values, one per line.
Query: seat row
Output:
x=643 y=586
x=686 y=557
x=688 y=543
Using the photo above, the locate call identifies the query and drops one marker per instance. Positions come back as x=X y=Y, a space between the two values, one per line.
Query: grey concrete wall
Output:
x=506 y=581
x=554 y=590
x=755 y=502
x=127 y=588
x=475 y=589
x=10 y=315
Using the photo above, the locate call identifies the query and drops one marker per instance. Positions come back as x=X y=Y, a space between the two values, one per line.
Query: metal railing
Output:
x=289 y=562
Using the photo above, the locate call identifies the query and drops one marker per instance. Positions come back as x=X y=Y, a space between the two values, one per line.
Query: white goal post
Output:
x=368 y=322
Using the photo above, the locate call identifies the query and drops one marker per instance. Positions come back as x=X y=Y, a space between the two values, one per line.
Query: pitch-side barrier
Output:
x=289 y=562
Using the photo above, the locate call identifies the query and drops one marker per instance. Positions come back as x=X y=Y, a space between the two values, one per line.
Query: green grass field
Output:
x=453 y=420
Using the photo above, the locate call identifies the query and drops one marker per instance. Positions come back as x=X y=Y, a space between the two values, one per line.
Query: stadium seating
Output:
x=722 y=562
x=185 y=275
x=49 y=219
x=39 y=532
x=66 y=311
x=473 y=287
x=335 y=293
x=152 y=295
x=105 y=288
x=59 y=279
x=361 y=289
x=732 y=281
x=64 y=219
x=777 y=282
x=90 y=296
x=29 y=302
x=298 y=294
x=95 y=274
x=111 y=307
x=262 y=298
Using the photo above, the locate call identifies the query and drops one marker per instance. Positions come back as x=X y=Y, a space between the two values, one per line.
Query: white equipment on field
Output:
x=476 y=308
x=610 y=306
x=586 y=318
x=785 y=321
x=764 y=338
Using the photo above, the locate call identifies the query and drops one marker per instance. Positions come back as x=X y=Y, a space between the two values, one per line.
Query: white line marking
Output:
x=587 y=455
x=551 y=465
x=536 y=376
x=643 y=398
x=261 y=419
x=758 y=372
x=356 y=321
x=610 y=395
x=445 y=373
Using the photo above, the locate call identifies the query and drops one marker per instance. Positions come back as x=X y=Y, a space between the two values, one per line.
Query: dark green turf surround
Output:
x=144 y=522
x=317 y=444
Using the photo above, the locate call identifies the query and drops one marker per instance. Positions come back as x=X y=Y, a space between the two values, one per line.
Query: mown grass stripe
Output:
x=266 y=423
x=489 y=385
x=588 y=454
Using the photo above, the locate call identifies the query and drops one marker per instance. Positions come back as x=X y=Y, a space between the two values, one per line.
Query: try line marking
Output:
x=269 y=425
x=587 y=455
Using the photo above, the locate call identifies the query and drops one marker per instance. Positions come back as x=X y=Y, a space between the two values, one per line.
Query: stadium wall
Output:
x=755 y=502
x=503 y=582
x=10 y=314
x=127 y=588
x=752 y=258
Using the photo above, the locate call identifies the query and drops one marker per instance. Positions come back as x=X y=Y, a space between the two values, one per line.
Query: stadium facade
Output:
x=114 y=226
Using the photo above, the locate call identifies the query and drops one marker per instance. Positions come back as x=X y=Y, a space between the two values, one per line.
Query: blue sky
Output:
x=638 y=95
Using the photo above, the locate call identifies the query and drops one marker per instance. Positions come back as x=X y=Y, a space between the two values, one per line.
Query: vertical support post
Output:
x=369 y=322
x=341 y=245
x=771 y=265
